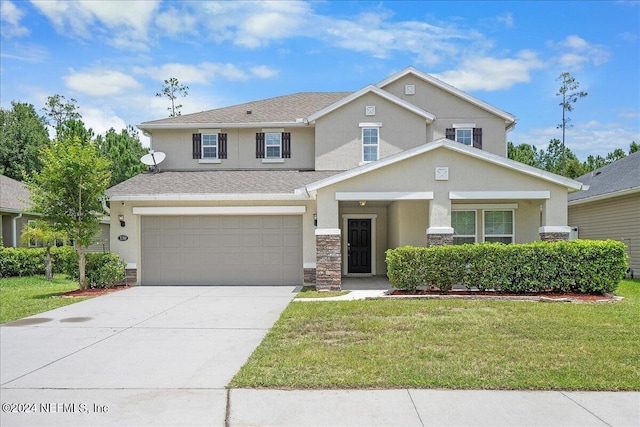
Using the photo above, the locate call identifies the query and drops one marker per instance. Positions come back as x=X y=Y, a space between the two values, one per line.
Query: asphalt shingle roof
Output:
x=281 y=109
x=14 y=195
x=218 y=182
x=623 y=174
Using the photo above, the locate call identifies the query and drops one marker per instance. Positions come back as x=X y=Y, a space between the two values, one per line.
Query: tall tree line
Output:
x=24 y=134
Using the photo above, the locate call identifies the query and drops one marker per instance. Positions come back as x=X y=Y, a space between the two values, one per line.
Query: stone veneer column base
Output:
x=442 y=236
x=554 y=233
x=310 y=275
x=328 y=259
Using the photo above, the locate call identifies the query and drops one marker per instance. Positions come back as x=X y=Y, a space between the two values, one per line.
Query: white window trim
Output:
x=513 y=225
x=470 y=136
x=475 y=220
x=202 y=146
x=345 y=248
x=273 y=160
x=377 y=145
x=266 y=146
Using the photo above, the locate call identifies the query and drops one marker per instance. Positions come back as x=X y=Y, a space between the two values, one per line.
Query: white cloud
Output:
x=491 y=74
x=205 y=72
x=123 y=25
x=24 y=52
x=506 y=19
x=10 y=20
x=101 y=119
x=574 y=53
x=264 y=72
x=99 y=82
x=173 y=22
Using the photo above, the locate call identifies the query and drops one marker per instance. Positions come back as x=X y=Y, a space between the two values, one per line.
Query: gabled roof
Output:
x=509 y=119
x=570 y=184
x=14 y=195
x=615 y=179
x=287 y=109
x=217 y=185
x=382 y=93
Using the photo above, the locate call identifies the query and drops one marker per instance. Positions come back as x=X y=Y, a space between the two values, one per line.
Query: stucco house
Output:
x=316 y=186
x=610 y=208
x=15 y=213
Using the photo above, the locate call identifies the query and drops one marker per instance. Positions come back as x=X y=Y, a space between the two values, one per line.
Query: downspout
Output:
x=105 y=207
x=14 y=221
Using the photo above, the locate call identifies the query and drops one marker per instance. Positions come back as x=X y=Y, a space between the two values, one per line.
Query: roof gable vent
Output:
x=249 y=112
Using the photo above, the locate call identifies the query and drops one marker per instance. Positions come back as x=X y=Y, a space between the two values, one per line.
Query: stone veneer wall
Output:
x=309 y=275
x=439 y=239
x=554 y=237
x=328 y=262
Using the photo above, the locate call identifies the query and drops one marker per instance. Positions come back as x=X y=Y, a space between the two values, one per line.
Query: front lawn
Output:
x=452 y=344
x=24 y=296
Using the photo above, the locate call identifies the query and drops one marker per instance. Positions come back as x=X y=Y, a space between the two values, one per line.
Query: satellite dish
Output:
x=153 y=159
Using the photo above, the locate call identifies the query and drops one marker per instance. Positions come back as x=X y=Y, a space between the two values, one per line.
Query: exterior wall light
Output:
x=121 y=219
x=315 y=220
x=363 y=203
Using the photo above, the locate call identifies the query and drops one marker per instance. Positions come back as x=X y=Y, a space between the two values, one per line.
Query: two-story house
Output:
x=317 y=186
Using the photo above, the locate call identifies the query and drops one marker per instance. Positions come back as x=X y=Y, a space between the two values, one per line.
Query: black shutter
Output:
x=450 y=133
x=477 y=138
x=286 y=145
x=222 y=145
x=260 y=145
x=197 y=146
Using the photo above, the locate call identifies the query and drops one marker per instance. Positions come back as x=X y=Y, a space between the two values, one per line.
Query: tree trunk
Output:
x=81 y=266
x=48 y=271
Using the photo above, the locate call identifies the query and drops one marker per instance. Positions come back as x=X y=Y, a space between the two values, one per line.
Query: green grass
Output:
x=452 y=344
x=24 y=296
x=310 y=292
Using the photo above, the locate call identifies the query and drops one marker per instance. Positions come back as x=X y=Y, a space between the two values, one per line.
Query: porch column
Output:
x=554 y=220
x=440 y=231
x=328 y=259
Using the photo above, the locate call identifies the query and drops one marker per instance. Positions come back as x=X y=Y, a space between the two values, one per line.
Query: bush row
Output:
x=101 y=269
x=585 y=266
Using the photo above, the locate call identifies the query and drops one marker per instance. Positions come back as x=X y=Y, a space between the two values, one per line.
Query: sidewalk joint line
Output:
x=415 y=407
x=586 y=409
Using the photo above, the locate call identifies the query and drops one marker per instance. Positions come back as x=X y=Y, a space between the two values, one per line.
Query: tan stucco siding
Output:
x=241 y=149
x=130 y=249
x=408 y=223
x=339 y=135
x=450 y=109
x=616 y=218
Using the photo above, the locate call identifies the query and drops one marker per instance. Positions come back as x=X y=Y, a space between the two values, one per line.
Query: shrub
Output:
x=31 y=261
x=103 y=269
x=578 y=266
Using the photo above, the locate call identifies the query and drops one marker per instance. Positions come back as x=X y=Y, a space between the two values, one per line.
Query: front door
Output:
x=359 y=245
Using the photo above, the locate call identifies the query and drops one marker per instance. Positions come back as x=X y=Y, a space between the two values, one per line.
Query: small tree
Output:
x=171 y=89
x=59 y=110
x=68 y=191
x=124 y=150
x=570 y=95
x=44 y=233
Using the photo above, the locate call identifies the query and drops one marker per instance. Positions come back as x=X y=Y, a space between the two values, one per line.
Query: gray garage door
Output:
x=221 y=250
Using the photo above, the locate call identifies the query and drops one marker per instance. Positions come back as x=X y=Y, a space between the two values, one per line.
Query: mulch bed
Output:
x=93 y=292
x=544 y=296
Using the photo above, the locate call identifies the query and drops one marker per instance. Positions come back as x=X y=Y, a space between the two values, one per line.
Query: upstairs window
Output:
x=209 y=146
x=273 y=142
x=463 y=136
x=370 y=144
x=466 y=134
x=272 y=146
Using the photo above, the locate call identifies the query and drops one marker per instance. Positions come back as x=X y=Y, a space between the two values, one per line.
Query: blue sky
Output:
x=113 y=56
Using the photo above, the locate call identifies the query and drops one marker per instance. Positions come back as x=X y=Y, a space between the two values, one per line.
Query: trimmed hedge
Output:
x=102 y=269
x=586 y=266
x=31 y=261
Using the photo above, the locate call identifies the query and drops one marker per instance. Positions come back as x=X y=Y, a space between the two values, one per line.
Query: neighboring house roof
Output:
x=382 y=93
x=615 y=179
x=509 y=118
x=287 y=109
x=216 y=185
x=570 y=184
x=14 y=195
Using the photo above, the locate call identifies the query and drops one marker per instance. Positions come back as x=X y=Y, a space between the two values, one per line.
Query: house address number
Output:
x=123 y=238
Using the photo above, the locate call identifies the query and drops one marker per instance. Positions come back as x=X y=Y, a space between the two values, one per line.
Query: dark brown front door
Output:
x=359 y=246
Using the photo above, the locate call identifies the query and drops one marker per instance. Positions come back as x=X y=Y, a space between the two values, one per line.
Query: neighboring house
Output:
x=316 y=186
x=15 y=201
x=610 y=208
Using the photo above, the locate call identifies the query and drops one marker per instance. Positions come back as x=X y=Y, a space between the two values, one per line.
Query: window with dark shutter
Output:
x=477 y=138
x=196 y=145
x=450 y=133
x=222 y=145
x=286 y=145
x=260 y=145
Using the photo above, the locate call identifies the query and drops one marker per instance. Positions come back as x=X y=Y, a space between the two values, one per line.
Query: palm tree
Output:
x=44 y=233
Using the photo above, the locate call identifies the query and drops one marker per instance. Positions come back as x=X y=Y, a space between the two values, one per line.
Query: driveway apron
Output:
x=142 y=356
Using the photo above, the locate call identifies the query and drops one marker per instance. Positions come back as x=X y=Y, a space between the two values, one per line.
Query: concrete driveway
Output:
x=142 y=356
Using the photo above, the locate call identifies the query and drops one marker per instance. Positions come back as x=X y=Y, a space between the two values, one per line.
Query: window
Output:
x=463 y=136
x=369 y=144
x=273 y=142
x=498 y=226
x=209 y=146
x=464 y=227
